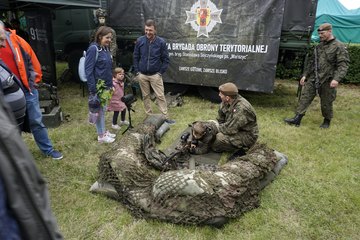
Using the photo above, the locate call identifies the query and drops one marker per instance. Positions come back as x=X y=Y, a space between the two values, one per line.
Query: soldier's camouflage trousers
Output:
x=222 y=143
x=327 y=97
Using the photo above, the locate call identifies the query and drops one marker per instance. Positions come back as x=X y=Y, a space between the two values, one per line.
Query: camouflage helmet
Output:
x=100 y=12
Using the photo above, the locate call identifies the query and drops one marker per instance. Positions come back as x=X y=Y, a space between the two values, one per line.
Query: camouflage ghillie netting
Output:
x=152 y=186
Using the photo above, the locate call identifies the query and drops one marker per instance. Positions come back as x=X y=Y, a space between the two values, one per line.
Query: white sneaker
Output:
x=109 y=134
x=124 y=122
x=116 y=127
x=105 y=139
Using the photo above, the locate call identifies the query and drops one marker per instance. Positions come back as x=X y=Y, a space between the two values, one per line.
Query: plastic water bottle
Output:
x=93 y=117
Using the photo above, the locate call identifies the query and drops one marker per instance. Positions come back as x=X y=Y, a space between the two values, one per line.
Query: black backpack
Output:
x=13 y=94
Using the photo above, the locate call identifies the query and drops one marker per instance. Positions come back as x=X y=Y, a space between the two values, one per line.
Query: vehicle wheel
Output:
x=209 y=93
x=73 y=63
x=175 y=88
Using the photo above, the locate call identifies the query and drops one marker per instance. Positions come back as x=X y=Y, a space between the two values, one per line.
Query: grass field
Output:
x=316 y=196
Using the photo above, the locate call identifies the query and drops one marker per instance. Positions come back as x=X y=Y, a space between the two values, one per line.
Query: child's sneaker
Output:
x=124 y=122
x=112 y=135
x=116 y=127
x=105 y=139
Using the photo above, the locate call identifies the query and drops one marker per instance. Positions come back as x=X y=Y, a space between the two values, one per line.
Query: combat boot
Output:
x=295 y=120
x=326 y=123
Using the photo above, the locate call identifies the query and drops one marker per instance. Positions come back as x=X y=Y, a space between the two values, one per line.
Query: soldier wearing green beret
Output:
x=322 y=75
x=238 y=129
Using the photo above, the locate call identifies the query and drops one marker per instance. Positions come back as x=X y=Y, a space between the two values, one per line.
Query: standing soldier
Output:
x=101 y=15
x=238 y=129
x=322 y=76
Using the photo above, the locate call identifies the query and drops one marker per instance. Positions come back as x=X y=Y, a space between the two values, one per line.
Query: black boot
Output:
x=326 y=123
x=295 y=120
x=238 y=153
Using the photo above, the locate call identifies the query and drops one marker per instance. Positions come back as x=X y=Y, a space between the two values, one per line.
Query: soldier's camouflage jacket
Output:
x=333 y=62
x=238 y=122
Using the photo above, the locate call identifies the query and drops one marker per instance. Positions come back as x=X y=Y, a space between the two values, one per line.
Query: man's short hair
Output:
x=324 y=27
x=150 y=23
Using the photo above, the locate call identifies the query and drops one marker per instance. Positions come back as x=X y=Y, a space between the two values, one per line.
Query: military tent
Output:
x=345 y=22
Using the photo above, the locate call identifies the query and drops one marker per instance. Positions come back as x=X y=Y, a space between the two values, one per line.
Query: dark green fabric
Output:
x=27 y=192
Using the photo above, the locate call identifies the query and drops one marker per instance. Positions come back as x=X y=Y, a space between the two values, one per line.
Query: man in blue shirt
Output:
x=151 y=60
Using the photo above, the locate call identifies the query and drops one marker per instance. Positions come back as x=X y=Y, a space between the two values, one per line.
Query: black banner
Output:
x=41 y=40
x=212 y=41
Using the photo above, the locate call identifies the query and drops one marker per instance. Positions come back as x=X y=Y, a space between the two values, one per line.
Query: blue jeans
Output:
x=100 y=123
x=37 y=128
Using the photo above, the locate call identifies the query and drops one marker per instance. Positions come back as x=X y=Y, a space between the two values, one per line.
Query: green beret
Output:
x=324 y=27
x=228 y=89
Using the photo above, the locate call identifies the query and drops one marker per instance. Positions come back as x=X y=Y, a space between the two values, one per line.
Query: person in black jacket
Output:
x=25 y=211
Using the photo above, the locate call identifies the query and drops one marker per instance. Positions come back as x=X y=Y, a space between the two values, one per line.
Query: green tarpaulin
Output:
x=346 y=23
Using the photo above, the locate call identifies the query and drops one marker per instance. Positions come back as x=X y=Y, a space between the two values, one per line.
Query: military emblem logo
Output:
x=203 y=16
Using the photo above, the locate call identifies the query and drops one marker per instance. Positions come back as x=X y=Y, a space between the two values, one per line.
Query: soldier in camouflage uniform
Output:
x=332 y=64
x=238 y=129
x=101 y=16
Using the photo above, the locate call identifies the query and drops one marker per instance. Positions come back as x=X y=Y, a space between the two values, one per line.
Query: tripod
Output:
x=129 y=108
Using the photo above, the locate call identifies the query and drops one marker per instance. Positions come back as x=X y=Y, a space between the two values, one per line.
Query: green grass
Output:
x=316 y=196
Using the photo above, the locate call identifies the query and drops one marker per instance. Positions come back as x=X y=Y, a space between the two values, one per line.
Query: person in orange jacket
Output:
x=19 y=57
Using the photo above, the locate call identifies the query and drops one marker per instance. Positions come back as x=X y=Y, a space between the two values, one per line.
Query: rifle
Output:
x=317 y=81
x=299 y=90
x=179 y=150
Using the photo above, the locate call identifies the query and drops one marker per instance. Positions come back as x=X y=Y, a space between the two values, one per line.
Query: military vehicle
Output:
x=209 y=41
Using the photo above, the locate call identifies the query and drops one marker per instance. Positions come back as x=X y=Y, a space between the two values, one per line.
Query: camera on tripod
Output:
x=128 y=99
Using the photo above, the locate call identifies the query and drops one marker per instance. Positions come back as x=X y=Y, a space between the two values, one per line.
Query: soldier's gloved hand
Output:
x=194 y=144
x=192 y=149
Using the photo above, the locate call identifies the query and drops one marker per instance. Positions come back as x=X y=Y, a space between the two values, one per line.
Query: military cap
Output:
x=324 y=27
x=228 y=89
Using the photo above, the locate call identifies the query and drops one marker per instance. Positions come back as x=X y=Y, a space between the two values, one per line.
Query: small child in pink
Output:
x=116 y=105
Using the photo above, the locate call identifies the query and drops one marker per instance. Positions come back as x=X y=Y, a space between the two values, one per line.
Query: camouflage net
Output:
x=207 y=195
